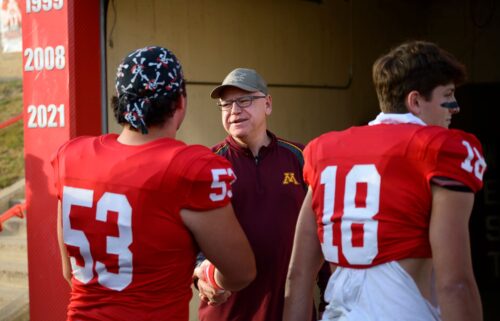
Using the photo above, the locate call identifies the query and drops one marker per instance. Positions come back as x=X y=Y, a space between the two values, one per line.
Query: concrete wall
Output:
x=291 y=43
x=315 y=49
x=294 y=42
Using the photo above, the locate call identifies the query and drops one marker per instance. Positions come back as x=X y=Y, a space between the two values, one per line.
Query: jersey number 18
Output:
x=353 y=216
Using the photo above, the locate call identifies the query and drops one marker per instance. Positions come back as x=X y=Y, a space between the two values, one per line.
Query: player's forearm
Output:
x=67 y=273
x=460 y=302
x=233 y=279
x=65 y=263
x=235 y=282
x=304 y=266
x=298 y=296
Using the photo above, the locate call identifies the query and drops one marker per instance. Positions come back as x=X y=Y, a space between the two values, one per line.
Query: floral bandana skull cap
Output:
x=144 y=75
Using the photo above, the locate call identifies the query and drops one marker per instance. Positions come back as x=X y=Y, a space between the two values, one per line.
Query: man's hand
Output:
x=208 y=293
x=211 y=296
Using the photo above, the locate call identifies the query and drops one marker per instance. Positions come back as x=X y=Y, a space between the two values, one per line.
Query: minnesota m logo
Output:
x=289 y=178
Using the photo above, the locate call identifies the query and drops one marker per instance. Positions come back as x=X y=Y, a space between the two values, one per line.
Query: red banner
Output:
x=61 y=88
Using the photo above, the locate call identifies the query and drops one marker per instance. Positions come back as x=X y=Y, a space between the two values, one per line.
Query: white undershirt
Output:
x=408 y=118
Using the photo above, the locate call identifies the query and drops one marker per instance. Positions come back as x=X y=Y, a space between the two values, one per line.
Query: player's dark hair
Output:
x=149 y=82
x=413 y=65
x=161 y=108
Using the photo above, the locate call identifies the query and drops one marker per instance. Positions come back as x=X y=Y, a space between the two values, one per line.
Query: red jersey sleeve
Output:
x=308 y=171
x=55 y=161
x=207 y=179
x=458 y=156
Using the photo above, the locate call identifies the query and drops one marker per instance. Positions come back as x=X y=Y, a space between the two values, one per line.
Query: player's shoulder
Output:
x=76 y=143
x=189 y=154
x=454 y=153
x=196 y=162
x=192 y=152
x=81 y=140
x=322 y=139
x=438 y=131
x=438 y=137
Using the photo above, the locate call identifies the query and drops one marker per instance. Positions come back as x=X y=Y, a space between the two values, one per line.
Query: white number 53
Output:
x=114 y=245
x=220 y=186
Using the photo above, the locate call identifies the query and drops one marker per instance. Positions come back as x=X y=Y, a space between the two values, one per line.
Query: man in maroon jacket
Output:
x=267 y=196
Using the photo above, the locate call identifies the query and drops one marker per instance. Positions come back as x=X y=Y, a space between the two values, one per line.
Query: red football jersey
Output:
x=372 y=188
x=132 y=256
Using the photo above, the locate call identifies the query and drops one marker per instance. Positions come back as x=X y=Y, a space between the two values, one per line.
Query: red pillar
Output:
x=62 y=99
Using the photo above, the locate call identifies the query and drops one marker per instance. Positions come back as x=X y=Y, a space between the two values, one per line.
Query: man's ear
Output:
x=269 y=105
x=413 y=100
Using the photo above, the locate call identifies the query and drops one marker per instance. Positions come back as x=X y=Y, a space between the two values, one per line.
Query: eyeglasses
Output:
x=242 y=102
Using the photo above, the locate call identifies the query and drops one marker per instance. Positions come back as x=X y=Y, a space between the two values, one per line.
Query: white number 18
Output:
x=479 y=164
x=363 y=215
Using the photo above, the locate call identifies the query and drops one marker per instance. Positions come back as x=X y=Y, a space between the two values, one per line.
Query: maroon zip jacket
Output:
x=267 y=197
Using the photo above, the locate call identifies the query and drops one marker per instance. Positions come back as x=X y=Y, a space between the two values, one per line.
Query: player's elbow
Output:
x=248 y=278
x=67 y=277
x=460 y=288
x=295 y=271
x=245 y=275
x=299 y=271
x=299 y=277
x=251 y=274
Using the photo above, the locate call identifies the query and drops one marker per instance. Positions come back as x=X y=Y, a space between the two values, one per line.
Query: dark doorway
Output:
x=480 y=104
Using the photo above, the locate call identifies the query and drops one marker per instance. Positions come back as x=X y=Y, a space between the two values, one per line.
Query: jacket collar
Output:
x=246 y=151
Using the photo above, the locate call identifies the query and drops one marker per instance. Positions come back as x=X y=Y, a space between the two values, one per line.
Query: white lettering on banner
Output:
x=47 y=58
x=35 y=6
x=42 y=116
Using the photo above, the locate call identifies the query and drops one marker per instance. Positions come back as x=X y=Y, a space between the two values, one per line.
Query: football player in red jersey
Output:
x=135 y=208
x=389 y=203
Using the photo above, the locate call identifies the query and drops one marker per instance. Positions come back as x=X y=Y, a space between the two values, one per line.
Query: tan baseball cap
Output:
x=243 y=78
